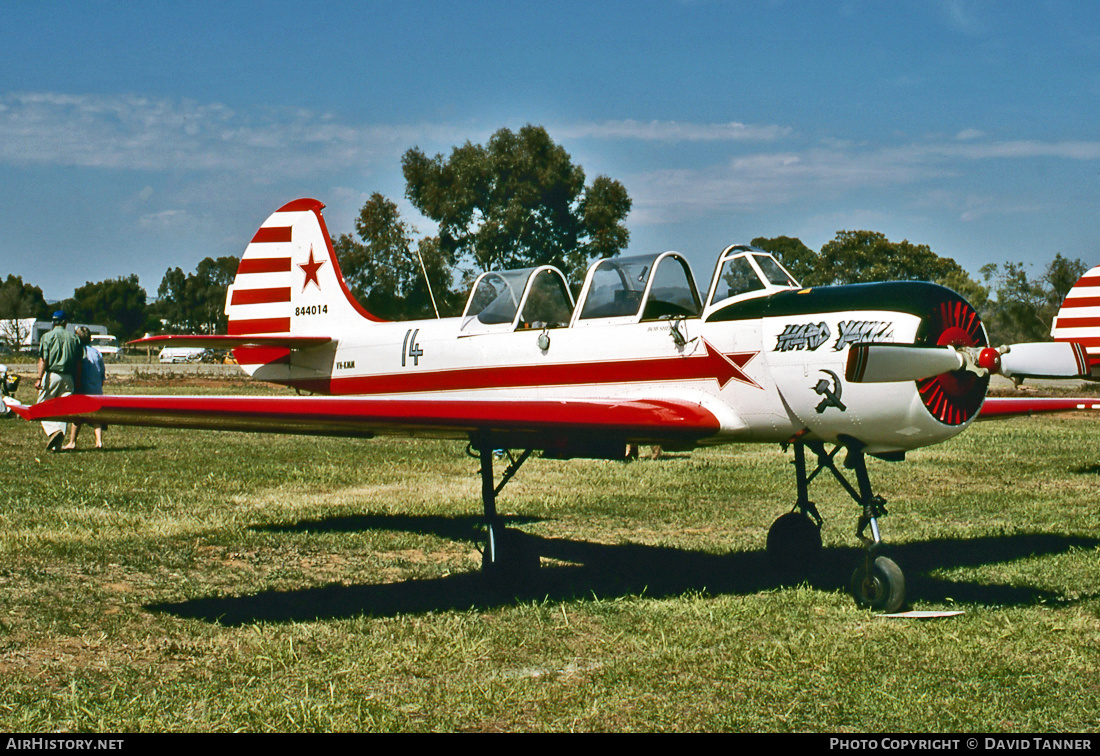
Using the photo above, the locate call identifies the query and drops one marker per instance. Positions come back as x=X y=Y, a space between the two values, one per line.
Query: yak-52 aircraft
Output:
x=642 y=357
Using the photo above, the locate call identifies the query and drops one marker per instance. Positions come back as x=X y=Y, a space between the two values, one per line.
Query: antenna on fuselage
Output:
x=427 y=282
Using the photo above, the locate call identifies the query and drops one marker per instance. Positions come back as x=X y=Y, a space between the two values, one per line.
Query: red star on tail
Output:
x=311 y=269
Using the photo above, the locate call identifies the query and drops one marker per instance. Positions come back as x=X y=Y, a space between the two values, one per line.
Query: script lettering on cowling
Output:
x=862 y=332
x=808 y=336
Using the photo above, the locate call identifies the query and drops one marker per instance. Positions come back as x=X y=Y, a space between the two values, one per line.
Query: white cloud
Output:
x=1071 y=150
x=674 y=131
x=972 y=206
x=761 y=180
x=769 y=179
x=221 y=147
x=963 y=16
x=164 y=219
x=142 y=133
x=139 y=133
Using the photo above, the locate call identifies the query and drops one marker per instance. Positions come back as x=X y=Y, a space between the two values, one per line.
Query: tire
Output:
x=883 y=589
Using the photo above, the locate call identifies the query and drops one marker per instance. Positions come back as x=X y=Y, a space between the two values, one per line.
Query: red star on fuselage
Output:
x=310 y=268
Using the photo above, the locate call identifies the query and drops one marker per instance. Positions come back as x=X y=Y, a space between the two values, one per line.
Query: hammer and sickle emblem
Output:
x=832 y=395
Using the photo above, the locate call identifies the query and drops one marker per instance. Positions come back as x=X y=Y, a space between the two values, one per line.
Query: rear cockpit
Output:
x=513 y=300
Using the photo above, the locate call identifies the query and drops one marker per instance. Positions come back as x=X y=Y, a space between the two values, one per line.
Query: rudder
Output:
x=1078 y=319
x=289 y=281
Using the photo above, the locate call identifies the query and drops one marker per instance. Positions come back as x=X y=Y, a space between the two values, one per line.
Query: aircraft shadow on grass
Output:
x=610 y=571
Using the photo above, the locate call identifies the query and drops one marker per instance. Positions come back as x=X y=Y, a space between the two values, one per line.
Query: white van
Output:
x=106 y=345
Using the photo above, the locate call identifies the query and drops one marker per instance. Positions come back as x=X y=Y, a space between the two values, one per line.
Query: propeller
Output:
x=884 y=363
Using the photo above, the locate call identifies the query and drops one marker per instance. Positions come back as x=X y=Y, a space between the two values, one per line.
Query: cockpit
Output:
x=744 y=273
x=635 y=289
x=512 y=300
x=619 y=290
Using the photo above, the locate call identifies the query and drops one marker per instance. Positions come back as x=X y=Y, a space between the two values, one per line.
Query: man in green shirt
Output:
x=59 y=359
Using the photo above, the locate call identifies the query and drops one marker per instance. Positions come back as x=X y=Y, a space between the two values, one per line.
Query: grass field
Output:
x=196 y=581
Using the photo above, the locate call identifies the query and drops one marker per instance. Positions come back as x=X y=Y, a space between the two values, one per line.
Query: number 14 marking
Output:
x=411 y=349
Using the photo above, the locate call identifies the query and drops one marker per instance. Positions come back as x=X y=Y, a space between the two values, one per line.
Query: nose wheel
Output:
x=879 y=584
x=794 y=540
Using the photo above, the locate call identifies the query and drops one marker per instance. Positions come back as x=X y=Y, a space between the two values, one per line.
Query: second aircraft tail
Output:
x=1078 y=319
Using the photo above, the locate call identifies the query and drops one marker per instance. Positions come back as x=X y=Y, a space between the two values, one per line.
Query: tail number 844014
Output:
x=321 y=309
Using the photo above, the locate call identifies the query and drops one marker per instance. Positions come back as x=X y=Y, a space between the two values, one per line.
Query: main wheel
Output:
x=882 y=588
x=794 y=544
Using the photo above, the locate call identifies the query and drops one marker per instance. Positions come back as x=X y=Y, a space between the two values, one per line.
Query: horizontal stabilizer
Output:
x=232 y=342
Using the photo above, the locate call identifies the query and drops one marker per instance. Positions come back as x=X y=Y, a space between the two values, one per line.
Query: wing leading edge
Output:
x=529 y=423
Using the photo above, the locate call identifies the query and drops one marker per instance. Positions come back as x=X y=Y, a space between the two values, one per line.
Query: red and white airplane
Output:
x=643 y=357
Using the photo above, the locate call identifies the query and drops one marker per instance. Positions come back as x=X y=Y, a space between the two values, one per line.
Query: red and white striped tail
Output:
x=289 y=284
x=1078 y=319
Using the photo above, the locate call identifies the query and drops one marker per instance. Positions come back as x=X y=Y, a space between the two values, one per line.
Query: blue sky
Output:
x=140 y=136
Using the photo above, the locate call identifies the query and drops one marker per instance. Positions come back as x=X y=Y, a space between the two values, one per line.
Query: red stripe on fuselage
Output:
x=720 y=367
x=1090 y=342
x=261 y=355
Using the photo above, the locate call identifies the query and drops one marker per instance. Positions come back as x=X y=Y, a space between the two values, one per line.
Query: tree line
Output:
x=520 y=201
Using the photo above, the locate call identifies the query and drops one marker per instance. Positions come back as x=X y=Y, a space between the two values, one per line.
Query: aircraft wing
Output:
x=1011 y=406
x=550 y=424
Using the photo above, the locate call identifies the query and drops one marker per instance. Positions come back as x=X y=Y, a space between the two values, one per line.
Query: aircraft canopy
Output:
x=745 y=273
x=506 y=300
x=633 y=289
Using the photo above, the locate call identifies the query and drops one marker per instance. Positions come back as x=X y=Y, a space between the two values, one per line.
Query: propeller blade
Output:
x=1056 y=359
x=884 y=363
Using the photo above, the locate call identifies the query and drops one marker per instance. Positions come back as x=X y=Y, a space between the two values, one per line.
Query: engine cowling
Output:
x=808 y=335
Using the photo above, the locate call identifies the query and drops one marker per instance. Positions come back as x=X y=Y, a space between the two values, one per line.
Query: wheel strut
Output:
x=794 y=540
x=507 y=552
x=877 y=582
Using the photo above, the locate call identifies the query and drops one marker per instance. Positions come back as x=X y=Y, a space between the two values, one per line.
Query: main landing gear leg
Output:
x=507 y=552
x=795 y=538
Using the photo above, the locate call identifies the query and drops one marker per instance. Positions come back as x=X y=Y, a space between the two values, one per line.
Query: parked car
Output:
x=176 y=355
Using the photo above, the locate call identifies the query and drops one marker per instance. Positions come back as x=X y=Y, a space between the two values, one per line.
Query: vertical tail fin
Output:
x=289 y=282
x=1078 y=320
